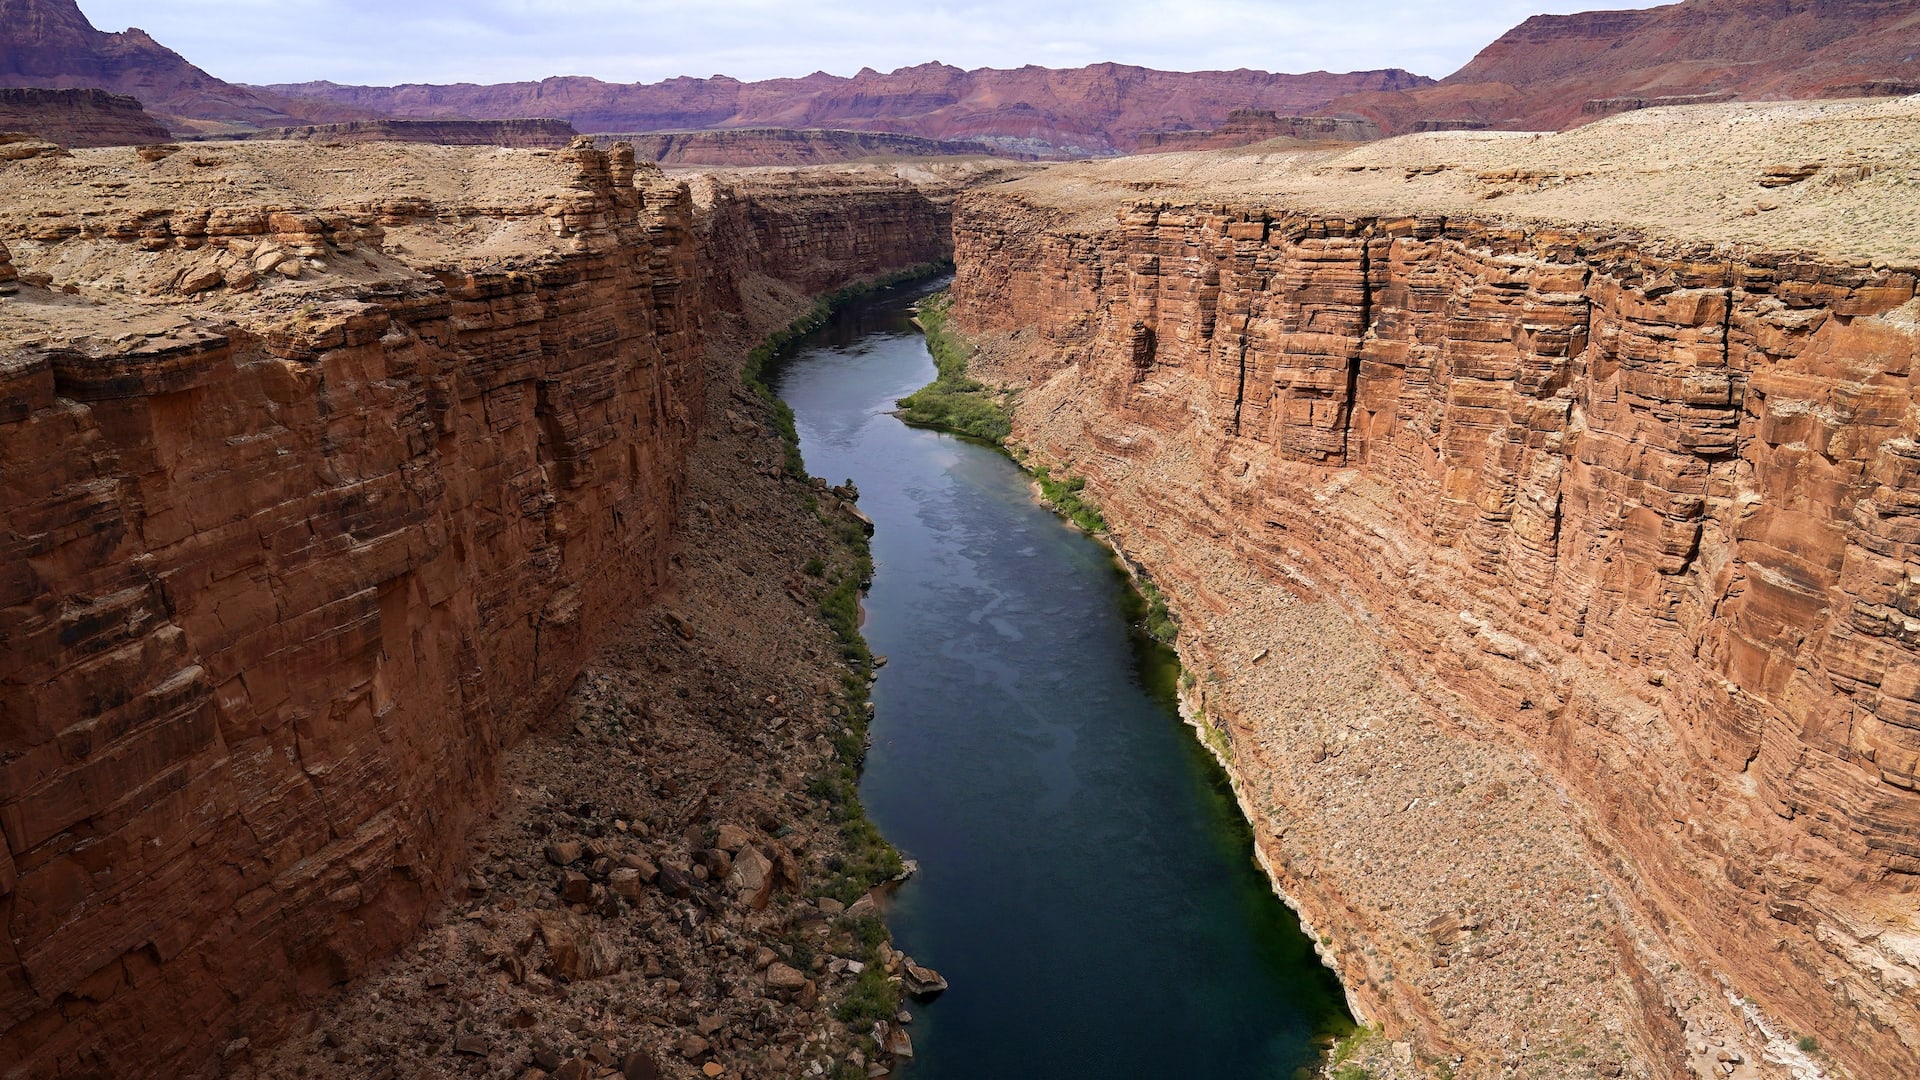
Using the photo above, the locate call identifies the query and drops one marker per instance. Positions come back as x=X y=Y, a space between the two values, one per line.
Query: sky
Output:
x=382 y=42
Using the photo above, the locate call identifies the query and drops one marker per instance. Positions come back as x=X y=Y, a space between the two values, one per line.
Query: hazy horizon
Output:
x=488 y=41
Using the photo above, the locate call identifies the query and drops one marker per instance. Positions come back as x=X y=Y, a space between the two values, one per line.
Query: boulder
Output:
x=784 y=977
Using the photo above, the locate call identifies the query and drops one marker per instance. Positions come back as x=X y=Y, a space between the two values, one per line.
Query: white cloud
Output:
x=378 y=41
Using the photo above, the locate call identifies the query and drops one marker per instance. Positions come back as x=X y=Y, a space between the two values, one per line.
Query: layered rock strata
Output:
x=315 y=502
x=1050 y=112
x=1634 y=509
x=548 y=134
x=734 y=147
x=78 y=117
x=1244 y=127
x=1552 y=71
x=50 y=43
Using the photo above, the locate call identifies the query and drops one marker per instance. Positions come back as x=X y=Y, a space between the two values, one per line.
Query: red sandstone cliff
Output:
x=1057 y=113
x=50 y=44
x=1542 y=74
x=1643 y=508
x=309 y=513
x=78 y=117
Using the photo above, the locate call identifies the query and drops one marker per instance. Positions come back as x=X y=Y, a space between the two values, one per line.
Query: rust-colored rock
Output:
x=1100 y=109
x=1646 y=506
x=78 y=117
x=278 y=591
x=50 y=43
x=1556 y=70
x=288 y=567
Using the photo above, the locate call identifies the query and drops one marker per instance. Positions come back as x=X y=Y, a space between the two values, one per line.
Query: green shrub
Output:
x=766 y=357
x=1064 y=497
x=952 y=401
x=1809 y=1044
x=872 y=997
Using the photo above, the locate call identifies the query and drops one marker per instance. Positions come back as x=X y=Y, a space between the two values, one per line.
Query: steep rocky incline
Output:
x=1629 y=510
x=1555 y=70
x=315 y=503
x=78 y=117
x=50 y=44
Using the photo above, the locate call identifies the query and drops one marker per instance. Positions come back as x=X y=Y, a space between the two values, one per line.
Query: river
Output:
x=1086 y=882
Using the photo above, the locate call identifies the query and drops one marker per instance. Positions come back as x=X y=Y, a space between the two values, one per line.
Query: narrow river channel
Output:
x=1086 y=882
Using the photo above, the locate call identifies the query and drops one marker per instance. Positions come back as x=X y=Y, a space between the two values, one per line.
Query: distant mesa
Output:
x=537 y=134
x=1550 y=72
x=1556 y=71
x=50 y=44
x=1246 y=127
x=1609 y=106
x=791 y=146
x=77 y=118
x=1098 y=110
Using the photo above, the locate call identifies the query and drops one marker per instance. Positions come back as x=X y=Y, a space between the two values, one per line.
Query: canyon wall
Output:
x=78 y=117
x=1647 y=507
x=768 y=243
x=309 y=513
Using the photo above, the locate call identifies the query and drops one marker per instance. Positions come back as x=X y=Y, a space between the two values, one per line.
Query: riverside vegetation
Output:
x=957 y=403
x=953 y=401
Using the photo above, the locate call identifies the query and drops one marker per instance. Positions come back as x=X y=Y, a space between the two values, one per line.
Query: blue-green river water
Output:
x=1086 y=883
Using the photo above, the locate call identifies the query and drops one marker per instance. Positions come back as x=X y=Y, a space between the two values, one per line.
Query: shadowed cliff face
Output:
x=300 y=540
x=78 y=117
x=1648 y=507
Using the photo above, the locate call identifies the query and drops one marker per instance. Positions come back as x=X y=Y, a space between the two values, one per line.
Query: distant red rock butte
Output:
x=1543 y=74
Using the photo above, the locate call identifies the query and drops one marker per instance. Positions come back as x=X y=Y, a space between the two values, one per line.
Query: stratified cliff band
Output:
x=309 y=513
x=1638 y=505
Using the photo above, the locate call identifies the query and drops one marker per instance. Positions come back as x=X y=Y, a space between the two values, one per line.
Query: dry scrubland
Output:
x=1839 y=178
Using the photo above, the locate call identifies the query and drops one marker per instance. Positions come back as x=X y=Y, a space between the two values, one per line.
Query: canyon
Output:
x=1543 y=561
x=318 y=502
x=395 y=555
